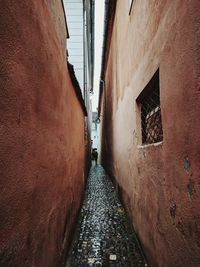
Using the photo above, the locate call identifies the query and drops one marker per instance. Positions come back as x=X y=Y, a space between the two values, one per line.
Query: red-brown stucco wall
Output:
x=160 y=185
x=41 y=136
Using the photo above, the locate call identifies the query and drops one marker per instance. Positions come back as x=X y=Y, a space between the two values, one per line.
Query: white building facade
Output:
x=75 y=44
x=95 y=136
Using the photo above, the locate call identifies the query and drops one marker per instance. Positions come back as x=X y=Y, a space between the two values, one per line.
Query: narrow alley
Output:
x=104 y=235
x=111 y=81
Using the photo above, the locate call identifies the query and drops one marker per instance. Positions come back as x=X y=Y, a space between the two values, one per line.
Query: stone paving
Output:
x=104 y=235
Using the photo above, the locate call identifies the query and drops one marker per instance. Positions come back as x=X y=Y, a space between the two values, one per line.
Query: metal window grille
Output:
x=151 y=120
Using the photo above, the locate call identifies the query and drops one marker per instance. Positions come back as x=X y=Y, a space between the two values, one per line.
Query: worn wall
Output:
x=159 y=184
x=41 y=136
x=56 y=9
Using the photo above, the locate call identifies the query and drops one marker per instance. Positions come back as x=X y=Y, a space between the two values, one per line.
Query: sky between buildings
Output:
x=99 y=26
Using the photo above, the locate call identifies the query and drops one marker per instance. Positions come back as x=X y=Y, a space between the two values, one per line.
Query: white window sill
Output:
x=150 y=145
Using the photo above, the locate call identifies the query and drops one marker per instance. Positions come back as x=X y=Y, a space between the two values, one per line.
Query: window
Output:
x=151 y=121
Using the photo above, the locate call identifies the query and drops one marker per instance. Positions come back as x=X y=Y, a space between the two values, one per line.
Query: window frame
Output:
x=147 y=93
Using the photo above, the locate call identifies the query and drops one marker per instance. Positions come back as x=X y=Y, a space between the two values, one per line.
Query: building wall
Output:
x=159 y=183
x=41 y=136
x=59 y=20
x=88 y=39
x=74 y=13
x=89 y=43
x=80 y=19
x=94 y=136
x=95 y=131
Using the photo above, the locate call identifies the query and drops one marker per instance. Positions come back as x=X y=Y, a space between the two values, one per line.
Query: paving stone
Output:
x=104 y=235
x=113 y=257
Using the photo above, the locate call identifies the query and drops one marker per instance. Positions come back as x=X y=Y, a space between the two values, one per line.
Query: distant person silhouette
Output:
x=95 y=155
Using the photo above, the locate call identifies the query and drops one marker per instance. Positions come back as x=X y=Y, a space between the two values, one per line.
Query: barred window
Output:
x=151 y=121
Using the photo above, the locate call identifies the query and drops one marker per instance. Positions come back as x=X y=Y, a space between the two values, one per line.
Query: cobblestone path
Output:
x=104 y=235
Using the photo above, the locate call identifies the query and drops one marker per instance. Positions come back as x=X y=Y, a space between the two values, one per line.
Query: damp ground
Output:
x=104 y=234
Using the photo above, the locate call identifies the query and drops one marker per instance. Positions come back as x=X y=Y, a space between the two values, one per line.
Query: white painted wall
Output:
x=95 y=136
x=74 y=14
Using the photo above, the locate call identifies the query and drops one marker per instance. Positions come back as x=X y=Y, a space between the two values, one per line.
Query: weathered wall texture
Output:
x=160 y=185
x=41 y=136
x=59 y=19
